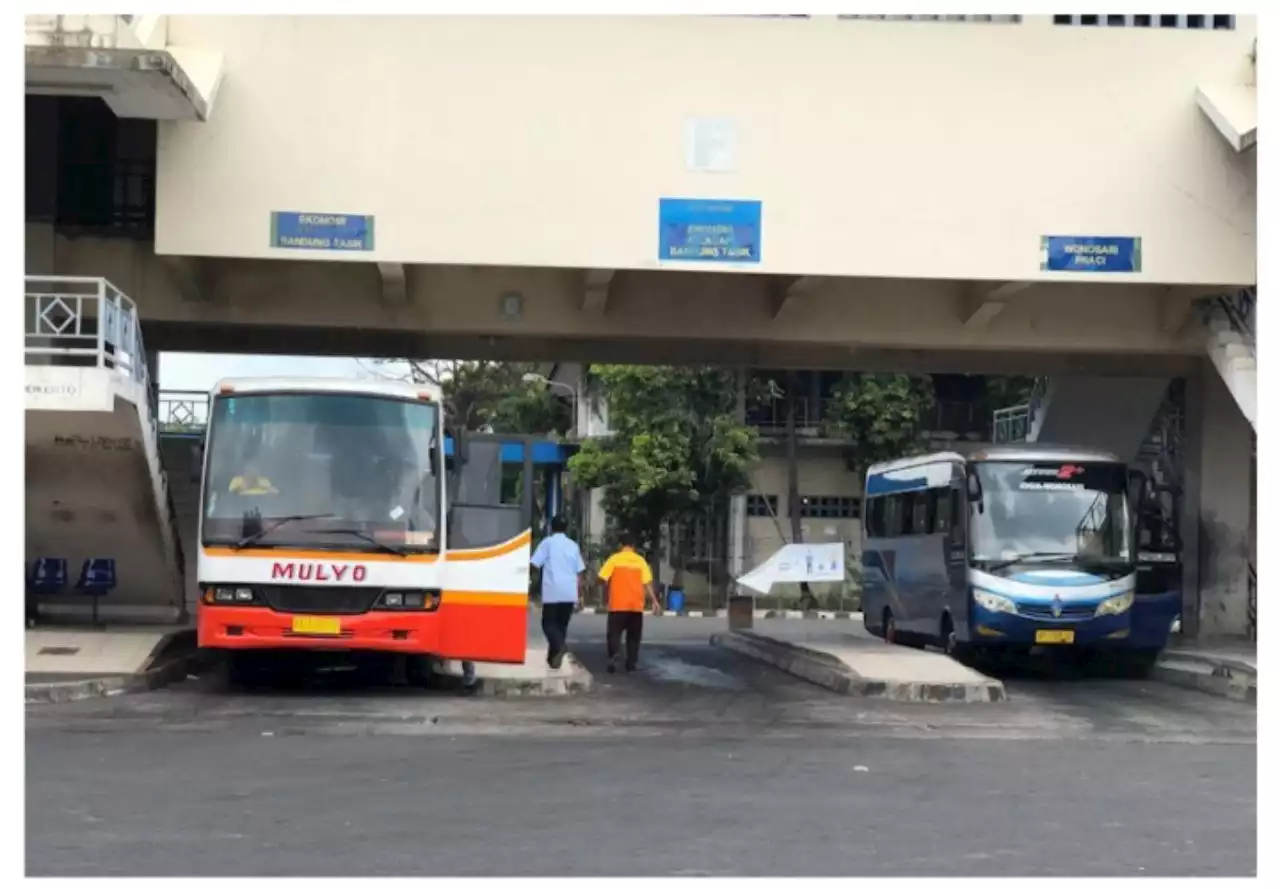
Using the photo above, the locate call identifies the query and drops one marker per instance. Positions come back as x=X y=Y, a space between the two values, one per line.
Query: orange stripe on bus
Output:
x=467 y=597
x=323 y=555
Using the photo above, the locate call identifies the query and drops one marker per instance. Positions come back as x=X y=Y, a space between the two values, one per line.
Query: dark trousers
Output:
x=631 y=623
x=555 y=626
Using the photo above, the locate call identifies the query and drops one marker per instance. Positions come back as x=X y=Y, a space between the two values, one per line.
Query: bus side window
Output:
x=892 y=515
x=873 y=516
x=941 y=511
x=957 y=516
x=919 y=513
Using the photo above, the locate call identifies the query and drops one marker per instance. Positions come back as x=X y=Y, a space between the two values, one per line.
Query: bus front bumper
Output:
x=240 y=628
x=1001 y=629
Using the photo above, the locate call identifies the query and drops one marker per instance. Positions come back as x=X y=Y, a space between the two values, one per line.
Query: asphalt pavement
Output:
x=702 y=763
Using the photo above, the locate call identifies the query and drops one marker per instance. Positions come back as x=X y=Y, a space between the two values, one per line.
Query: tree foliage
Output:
x=879 y=416
x=493 y=396
x=678 y=448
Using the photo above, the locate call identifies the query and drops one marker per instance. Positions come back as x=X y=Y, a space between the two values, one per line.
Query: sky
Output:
x=202 y=370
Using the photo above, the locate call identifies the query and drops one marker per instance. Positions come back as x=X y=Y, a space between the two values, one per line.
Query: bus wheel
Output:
x=243 y=669
x=419 y=672
x=1138 y=664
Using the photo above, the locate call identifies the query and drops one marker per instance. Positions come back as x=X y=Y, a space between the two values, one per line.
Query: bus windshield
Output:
x=320 y=470
x=1051 y=511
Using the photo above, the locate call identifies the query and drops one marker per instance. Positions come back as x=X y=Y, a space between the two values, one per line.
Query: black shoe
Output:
x=556 y=660
x=631 y=668
x=612 y=668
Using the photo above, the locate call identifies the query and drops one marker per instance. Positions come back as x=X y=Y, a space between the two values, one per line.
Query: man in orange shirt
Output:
x=630 y=582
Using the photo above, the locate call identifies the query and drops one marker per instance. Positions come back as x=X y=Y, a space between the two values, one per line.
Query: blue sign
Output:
x=321 y=231
x=693 y=230
x=1071 y=253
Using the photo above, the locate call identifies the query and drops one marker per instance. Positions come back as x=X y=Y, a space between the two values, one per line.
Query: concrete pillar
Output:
x=1219 y=504
x=737 y=534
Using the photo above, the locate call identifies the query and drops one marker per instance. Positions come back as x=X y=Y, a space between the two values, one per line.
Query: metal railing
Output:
x=1240 y=308
x=1014 y=423
x=83 y=322
x=182 y=410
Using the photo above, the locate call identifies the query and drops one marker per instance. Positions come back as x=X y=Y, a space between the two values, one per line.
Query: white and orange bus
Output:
x=326 y=524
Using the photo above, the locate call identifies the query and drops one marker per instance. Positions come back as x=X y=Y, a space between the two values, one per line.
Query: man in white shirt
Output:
x=560 y=562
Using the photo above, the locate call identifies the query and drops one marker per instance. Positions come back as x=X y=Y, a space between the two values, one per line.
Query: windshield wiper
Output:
x=250 y=539
x=368 y=538
x=1033 y=557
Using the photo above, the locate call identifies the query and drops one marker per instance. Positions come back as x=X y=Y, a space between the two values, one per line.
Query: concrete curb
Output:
x=172 y=660
x=571 y=678
x=758 y=614
x=830 y=672
x=1234 y=681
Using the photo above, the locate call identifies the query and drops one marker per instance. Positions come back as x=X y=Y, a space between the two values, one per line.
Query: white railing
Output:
x=1016 y=423
x=84 y=322
x=183 y=410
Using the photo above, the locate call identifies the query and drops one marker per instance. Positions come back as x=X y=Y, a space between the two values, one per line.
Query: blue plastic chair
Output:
x=97 y=578
x=48 y=575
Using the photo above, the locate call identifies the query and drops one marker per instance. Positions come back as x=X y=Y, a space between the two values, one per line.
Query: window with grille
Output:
x=1185 y=22
x=814 y=507
x=760 y=506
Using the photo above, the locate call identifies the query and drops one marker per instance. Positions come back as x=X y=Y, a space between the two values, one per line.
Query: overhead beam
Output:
x=191 y=275
x=982 y=301
x=394 y=291
x=1175 y=309
x=787 y=290
x=595 y=290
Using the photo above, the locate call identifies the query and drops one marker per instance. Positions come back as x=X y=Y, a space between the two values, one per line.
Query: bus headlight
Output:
x=1115 y=605
x=992 y=602
x=225 y=595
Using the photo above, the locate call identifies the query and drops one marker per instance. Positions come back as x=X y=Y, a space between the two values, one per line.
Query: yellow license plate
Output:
x=1055 y=637
x=317 y=626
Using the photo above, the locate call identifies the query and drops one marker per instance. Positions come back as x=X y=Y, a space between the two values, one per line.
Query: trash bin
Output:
x=675 y=600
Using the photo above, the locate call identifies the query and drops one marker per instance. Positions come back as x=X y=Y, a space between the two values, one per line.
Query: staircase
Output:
x=180 y=459
x=1231 y=344
x=94 y=485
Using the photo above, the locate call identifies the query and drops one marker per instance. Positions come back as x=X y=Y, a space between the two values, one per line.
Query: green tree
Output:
x=495 y=396
x=879 y=416
x=678 y=450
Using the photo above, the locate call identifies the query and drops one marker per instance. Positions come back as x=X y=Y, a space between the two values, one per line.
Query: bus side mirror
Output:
x=974 y=488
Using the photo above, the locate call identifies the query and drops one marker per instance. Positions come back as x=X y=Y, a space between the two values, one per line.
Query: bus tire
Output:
x=1139 y=664
x=243 y=669
x=419 y=671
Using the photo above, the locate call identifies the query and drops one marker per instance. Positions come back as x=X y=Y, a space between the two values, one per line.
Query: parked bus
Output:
x=327 y=525
x=1009 y=548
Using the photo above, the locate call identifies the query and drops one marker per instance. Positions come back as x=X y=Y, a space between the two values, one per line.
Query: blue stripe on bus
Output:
x=880 y=484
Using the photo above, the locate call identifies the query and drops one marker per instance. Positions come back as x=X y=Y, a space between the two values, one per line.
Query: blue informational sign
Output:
x=695 y=230
x=1075 y=253
x=321 y=231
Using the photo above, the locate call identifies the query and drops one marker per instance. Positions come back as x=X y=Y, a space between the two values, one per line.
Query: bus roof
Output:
x=1038 y=452
x=913 y=462
x=385 y=388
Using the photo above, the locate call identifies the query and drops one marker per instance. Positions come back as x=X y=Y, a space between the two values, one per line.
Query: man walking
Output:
x=560 y=562
x=630 y=583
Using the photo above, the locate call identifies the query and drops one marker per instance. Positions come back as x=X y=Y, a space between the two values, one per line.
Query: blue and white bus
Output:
x=1011 y=547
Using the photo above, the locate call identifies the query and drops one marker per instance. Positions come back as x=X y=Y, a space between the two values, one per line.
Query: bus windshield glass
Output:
x=1049 y=512
x=319 y=470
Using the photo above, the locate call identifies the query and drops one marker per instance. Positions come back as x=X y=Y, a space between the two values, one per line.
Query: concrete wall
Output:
x=822 y=473
x=879 y=149
x=89 y=494
x=1220 y=481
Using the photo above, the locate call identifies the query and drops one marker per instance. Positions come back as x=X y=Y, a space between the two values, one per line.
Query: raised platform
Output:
x=843 y=658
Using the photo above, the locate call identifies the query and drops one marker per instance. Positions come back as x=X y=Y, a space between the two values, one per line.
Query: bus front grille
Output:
x=320 y=600
x=1069 y=612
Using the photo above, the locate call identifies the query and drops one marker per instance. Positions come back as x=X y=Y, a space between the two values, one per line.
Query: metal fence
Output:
x=182 y=410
